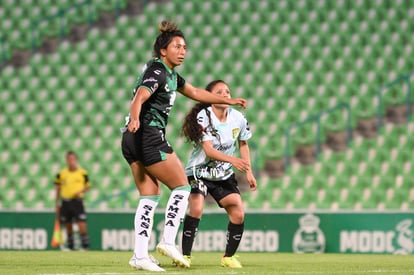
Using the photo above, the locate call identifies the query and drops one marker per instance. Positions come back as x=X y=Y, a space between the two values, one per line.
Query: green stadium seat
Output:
x=86 y=86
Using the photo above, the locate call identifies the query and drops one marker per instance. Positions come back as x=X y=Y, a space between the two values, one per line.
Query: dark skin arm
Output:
x=188 y=90
x=245 y=155
x=140 y=97
x=202 y=95
x=240 y=164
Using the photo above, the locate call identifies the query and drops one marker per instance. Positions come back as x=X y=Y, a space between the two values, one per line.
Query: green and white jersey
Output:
x=162 y=82
x=224 y=136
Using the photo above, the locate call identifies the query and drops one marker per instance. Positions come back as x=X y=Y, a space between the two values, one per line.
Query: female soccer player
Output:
x=149 y=155
x=214 y=130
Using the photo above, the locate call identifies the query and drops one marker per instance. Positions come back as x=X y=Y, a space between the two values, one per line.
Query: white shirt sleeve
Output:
x=245 y=132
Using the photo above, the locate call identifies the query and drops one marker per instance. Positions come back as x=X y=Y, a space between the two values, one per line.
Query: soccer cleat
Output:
x=231 y=262
x=144 y=264
x=155 y=261
x=172 y=252
x=188 y=258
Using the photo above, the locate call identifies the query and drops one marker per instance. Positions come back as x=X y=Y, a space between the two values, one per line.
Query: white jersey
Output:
x=224 y=140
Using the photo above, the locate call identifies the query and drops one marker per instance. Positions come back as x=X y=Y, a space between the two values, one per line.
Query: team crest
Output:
x=309 y=237
x=405 y=238
x=154 y=87
x=235 y=132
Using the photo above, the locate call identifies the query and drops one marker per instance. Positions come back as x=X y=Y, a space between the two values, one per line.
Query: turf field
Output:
x=112 y=263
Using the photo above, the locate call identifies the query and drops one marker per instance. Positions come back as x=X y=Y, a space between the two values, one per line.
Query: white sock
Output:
x=174 y=213
x=144 y=219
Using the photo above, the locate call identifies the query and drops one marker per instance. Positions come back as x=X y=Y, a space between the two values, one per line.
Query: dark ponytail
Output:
x=193 y=131
x=168 y=30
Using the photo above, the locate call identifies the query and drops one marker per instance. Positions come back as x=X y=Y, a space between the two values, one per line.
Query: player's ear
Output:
x=163 y=52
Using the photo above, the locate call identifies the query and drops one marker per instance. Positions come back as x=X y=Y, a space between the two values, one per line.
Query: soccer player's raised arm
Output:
x=202 y=95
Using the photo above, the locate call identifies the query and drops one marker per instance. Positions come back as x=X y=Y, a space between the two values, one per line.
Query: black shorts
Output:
x=217 y=189
x=148 y=145
x=72 y=210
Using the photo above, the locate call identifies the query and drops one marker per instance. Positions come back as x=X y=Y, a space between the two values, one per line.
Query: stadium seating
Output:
x=291 y=59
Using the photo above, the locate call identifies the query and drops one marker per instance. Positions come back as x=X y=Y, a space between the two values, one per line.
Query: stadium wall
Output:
x=319 y=232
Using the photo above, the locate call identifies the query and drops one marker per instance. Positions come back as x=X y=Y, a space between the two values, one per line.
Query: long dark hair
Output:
x=193 y=131
x=168 y=30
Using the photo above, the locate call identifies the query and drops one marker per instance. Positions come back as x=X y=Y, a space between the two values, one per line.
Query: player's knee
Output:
x=237 y=216
x=196 y=212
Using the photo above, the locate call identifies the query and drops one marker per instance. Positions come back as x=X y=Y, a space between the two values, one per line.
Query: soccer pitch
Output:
x=113 y=263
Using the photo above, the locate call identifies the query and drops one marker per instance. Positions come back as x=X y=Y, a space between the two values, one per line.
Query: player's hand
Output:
x=57 y=210
x=133 y=126
x=252 y=180
x=238 y=101
x=240 y=164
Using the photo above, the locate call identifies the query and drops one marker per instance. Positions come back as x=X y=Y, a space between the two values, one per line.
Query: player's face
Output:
x=72 y=161
x=221 y=89
x=175 y=52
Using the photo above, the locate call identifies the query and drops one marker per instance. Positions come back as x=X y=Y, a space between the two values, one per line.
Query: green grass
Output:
x=93 y=262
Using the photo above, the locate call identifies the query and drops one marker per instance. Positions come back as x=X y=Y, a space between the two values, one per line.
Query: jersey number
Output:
x=171 y=103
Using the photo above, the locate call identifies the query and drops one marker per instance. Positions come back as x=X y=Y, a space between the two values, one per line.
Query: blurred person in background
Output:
x=71 y=183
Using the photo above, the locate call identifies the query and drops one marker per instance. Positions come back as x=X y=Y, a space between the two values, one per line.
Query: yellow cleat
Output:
x=231 y=262
x=177 y=263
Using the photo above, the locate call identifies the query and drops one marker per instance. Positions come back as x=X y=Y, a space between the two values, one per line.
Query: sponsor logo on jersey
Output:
x=224 y=147
x=235 y=132
x=154 y=87
x=309 y=238
x=157 y=72
x=167 y=89
x=151 y=79
x=211 y=172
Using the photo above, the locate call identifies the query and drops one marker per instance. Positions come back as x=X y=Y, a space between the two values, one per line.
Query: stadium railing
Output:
x=317 y=119
x=408 y=101
x=408 y=96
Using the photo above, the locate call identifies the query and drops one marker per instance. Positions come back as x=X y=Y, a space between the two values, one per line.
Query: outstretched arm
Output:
x=206 y=97
x=245 y=155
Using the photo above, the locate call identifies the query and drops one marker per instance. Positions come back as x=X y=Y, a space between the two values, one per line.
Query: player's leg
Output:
x=235 y=228
x=83 y=234
x=149 y=190
x=81 y=222
x=149 y=196
x=70 y=241
x=234 y=208
x=171 y=172
x=228 y=197
x=191 y=222
x=192 y=219
x=66 y=219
